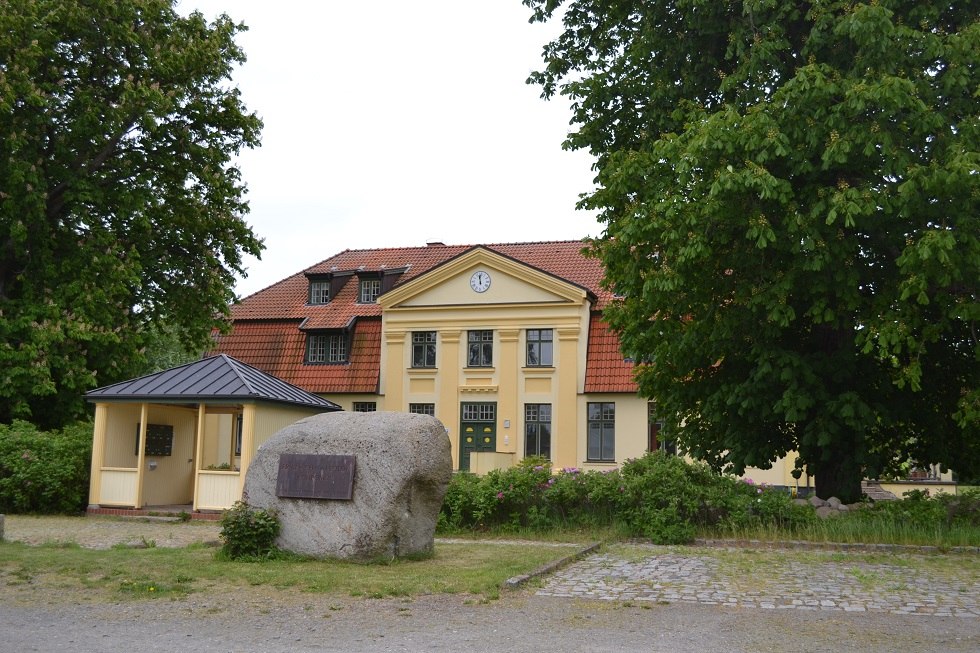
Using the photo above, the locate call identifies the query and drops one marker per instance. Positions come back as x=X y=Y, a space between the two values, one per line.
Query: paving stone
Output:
x=670 y=577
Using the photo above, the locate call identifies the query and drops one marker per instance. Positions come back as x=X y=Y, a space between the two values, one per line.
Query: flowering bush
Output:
x=663 y=498
x=660 y=497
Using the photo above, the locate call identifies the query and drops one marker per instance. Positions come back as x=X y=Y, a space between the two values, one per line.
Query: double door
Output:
x=477 y=430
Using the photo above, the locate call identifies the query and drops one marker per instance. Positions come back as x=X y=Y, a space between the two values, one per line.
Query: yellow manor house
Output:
x=504 y=343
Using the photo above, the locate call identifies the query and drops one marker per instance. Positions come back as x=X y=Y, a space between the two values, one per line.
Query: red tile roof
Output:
x=269 y=326
x=279 y=348
x=287 y=298
x=606 y=370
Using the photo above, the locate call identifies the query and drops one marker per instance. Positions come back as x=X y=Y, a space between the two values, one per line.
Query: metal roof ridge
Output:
x=231 y=362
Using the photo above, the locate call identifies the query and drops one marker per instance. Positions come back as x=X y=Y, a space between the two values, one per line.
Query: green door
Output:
x=477 y=430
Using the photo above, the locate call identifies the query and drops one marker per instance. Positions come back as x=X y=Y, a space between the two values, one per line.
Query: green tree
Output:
x=791 y=194
x=120 y=208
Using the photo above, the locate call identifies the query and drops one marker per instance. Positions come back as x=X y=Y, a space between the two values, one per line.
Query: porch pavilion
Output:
x=201 y=424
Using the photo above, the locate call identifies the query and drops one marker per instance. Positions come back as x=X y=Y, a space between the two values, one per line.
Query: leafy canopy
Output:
x=791 y=193
x=119 y=206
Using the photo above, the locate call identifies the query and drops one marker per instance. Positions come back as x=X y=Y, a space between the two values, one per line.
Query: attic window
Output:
x=319 y=291
x=370 y=290
x=326 y=347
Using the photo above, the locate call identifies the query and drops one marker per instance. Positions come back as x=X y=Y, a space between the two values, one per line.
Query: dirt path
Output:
x=264 y=621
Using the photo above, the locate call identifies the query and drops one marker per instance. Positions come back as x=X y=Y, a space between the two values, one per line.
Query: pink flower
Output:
x=500 y=496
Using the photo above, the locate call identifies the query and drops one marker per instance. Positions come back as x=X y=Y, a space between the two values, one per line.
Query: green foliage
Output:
x=670 y=501
x=44 y=471
x=917 y=509
x=120 y=207
x=249 y=533
x=962 y=509
x=791 y=194
x=459 y=506
x=166 y=349
x=658 y=496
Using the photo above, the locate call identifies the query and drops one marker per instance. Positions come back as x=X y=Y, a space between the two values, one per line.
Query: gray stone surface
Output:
x=403 y=466
x=821 y=582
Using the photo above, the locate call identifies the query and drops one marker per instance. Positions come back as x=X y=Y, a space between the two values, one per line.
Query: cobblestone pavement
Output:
x=821 y=581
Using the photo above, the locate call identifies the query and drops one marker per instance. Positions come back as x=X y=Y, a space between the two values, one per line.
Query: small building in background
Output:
x=184 y=437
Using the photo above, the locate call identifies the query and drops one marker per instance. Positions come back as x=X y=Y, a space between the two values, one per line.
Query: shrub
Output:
x=583 y=499
x=664 y=497
x=751 y=506
x=460 y=505
x=659 y=496
x=515 y=496
x=44 y=472
x=249 y=533
x=962 y=509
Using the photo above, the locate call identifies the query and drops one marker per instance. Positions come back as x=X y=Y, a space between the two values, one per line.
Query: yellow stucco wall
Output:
x=117 y=478
x=166 y=479
x=519 y=298
x=271 y=418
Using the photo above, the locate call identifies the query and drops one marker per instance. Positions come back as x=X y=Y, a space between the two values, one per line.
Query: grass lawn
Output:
x=477 y=568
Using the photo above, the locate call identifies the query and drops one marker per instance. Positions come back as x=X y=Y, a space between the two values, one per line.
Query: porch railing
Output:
x=217 y=490
x=118 y=486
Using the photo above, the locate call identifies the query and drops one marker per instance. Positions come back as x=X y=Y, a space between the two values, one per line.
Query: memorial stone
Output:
x=389 y=470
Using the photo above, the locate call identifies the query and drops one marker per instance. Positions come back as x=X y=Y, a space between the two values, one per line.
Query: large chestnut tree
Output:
x=791 y=198
x=121 y=212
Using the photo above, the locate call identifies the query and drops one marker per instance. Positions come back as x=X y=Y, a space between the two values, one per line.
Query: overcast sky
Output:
x=396 y=122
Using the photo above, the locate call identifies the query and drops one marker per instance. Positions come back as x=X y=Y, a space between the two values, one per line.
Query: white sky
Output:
x=396 y=122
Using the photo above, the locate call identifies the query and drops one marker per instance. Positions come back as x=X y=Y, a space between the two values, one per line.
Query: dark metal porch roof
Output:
x=218 y=379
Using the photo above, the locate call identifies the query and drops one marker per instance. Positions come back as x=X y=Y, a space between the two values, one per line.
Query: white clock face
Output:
x=480 y=281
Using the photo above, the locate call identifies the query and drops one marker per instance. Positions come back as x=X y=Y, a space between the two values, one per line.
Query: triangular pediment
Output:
x=481 y=276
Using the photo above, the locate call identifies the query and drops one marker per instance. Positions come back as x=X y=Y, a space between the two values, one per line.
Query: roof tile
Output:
x=269 y=326
x=606 y=370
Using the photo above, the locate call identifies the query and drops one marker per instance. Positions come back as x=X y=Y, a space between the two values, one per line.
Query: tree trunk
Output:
x=838 y=477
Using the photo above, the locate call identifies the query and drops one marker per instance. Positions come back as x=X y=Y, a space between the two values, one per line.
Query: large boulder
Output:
x=402 y=468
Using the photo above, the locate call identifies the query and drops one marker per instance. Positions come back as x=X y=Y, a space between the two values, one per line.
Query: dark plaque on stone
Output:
x=312 y=476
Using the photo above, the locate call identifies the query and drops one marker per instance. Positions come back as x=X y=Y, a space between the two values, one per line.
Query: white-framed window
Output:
x=423 y=348
x=422 y=409
x=540 y=348
x=319 y=292
x=537 y=430
x=370 y=290
x=601 y=446
x=326 y=348
x=365 y=406
x=480 y=348
x=480 y=412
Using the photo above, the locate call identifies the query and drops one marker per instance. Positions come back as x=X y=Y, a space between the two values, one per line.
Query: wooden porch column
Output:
x=98 y=454
x=141 y=454
x=198 y=447
x=248 y=446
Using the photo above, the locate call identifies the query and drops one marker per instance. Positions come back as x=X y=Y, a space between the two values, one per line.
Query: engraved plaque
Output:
x=313 y=476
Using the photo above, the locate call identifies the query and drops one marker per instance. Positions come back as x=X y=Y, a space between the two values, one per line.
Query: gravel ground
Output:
x=105 y=532
x=46 y=618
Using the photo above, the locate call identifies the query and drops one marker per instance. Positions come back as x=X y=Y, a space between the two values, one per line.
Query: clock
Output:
x=480 y=281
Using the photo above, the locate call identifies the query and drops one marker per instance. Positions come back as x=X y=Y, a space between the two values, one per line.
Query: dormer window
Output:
x=370 y=290
x=319 y=291
x=326 y=347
